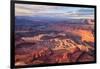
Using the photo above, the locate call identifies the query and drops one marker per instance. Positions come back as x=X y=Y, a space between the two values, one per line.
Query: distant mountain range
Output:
x=44 y=20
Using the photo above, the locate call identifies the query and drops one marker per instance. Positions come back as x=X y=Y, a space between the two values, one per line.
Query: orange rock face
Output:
x=86 y=35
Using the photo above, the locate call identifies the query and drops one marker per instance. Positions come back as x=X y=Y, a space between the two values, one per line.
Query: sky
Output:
x=60 y=11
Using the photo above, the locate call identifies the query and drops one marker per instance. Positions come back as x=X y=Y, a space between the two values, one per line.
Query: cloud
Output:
x=25 y=9
x=60 y=11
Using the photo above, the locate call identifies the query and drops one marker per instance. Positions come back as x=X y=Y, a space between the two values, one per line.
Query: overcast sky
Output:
x=33 y=10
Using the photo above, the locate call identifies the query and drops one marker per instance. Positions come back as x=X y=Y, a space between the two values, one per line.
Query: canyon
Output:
x=50 y=43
